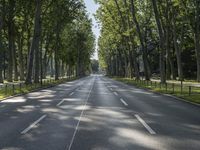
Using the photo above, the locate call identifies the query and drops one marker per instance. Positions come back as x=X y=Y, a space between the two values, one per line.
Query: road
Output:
x=97 y=113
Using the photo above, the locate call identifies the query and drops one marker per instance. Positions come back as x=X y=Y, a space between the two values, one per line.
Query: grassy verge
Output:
x=189 y=93
x=11 y=90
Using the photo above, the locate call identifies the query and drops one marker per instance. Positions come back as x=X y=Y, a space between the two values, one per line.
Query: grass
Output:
x=189 y=93
x=11 y=90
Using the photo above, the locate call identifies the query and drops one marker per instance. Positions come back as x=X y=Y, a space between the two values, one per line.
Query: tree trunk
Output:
x=161 y=38
x=21 y=58
x=177 y=48
x=1 y=67
x=1 y=48
x=51 y=66
x=141 y=38
x=10 y=40
x=45 y=60
x=15 y=62
x=45 y=65
x=56 y=52
x=170 y=70
x=41 y=63
x=1 y=58
x=34 y=45
x=170 y=73
x=37 y=45
x=197 y=37
x=132 y=52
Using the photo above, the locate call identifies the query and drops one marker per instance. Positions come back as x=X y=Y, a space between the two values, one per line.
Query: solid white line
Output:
x=79 y=120
x=149 y=129
x=123 y=102
x=33 y=124
x=71 y=94
x=116 y=93
x=60 y=102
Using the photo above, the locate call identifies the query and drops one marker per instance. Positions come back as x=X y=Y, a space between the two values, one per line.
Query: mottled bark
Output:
x=35 y=43
x=56 y=59
x=176 y=46
x=51 y=66
x=132 y=52
x=10 y=39
x=170 y=65
x=170 y=73
x=161 y=41
x=147 y=71
x=1 y=47
x=14 y=61
x=197 y=37
x=1 y=56
x=21 y=58
x=178 y=54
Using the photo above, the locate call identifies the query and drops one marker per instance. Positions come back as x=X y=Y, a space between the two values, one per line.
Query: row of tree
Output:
x=150 y=37
x=44 y=37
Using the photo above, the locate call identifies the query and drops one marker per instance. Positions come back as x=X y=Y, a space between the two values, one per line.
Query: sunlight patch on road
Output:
x=137 y=137
x=155 y=114
x=15 y=100
x=42 y=96
x=51 y=110
x=26 y=109
x=84 y=119
x=141 y=92
x=11 y=148
x=61 y=117
x=82 y=107
x=72 y=99
x=45 y=100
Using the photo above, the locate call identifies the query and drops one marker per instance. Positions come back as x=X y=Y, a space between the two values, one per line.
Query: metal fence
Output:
x=9 y=89
x=171 y=88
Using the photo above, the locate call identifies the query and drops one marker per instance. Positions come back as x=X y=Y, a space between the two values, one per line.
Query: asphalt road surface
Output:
x=97 y=113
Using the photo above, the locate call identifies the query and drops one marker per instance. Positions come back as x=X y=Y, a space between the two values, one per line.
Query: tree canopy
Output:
x=44 y=37
x=150 y=38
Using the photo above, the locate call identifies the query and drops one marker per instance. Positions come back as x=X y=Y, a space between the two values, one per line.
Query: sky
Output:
x=91 y=8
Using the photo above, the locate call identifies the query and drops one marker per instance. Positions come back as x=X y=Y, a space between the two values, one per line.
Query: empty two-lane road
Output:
x=97 y=113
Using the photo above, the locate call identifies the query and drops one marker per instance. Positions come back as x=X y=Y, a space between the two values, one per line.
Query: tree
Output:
x=95 y=65
x=197 y=36
x=161 y=41
x=1 y=44
x=130 y=35
x=34 y=50
x=32 y=35
x=141 y=39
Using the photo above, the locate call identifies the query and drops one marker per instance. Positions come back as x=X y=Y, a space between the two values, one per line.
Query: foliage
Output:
x=136 y=33
x=50 y=37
